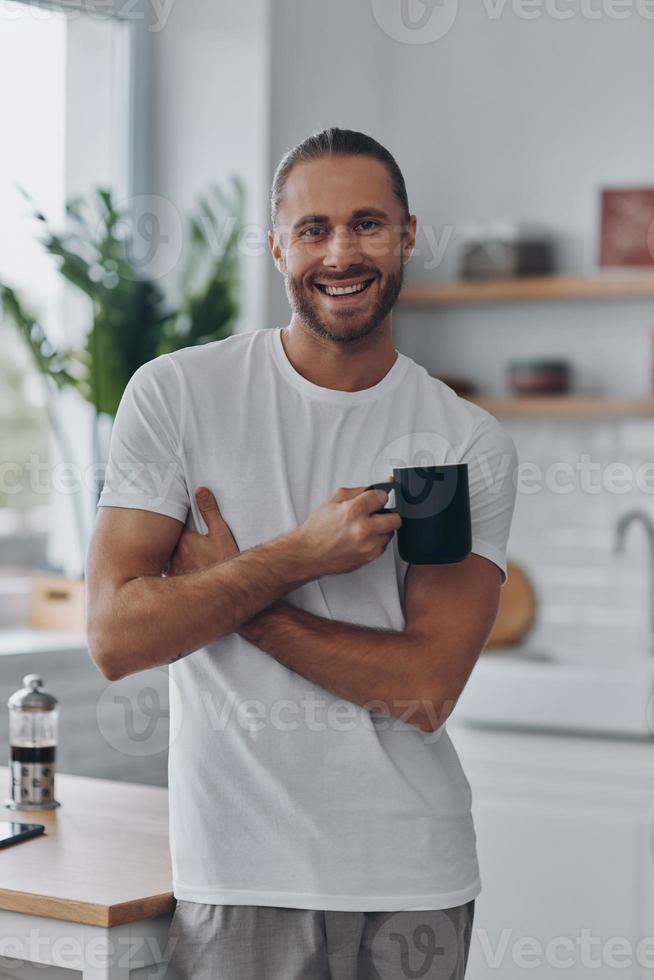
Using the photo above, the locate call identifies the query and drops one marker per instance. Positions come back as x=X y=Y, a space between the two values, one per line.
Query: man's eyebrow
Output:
x=322 y=218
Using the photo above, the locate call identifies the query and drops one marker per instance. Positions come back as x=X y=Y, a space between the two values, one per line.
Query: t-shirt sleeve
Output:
x=144 y=470
x=492 y=461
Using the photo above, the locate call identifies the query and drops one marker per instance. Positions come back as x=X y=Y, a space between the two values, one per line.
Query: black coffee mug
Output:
x=434 y=504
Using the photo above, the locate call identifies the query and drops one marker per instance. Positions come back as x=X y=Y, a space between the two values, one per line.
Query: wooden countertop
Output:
x=103 y=859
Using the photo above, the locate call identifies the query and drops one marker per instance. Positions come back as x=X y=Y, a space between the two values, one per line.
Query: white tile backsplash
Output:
x=588 y=598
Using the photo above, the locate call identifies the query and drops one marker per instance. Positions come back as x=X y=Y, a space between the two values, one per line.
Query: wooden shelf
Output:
x=540 y=288
x=566 y=406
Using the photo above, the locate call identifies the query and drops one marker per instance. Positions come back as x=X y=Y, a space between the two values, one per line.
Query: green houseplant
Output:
x=132 y=319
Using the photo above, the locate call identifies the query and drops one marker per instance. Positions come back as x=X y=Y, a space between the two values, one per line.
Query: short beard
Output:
x=298 y=297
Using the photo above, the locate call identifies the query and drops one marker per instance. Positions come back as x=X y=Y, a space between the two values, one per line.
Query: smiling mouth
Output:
x=343 y=292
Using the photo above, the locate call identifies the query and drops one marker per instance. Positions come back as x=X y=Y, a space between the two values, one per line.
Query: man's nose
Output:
x=343 y=249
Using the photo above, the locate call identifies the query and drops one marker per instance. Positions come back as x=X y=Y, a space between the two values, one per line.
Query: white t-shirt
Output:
x=281 y=793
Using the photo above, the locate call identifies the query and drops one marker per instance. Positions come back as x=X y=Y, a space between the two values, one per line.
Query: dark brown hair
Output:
x=336 y=142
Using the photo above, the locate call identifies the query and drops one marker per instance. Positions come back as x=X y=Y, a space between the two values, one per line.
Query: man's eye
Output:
x=315 y=228
x=369 y=221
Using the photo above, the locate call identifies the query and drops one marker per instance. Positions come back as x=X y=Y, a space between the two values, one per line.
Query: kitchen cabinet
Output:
x=565 y=836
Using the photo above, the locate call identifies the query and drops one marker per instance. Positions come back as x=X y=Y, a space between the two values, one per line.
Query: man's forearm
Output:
x=382 y=669
x=154 y=620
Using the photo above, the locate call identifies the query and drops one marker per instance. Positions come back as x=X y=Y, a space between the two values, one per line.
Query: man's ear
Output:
x=276 y=251
x=409 y=242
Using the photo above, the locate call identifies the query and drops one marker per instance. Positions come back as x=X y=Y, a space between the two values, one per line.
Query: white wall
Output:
x=524 y=119
x=328 y=69
x=502 y=117
x=527 y=119
x=209 y=93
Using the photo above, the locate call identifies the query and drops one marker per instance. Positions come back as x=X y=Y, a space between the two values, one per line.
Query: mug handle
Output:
x=384 y=486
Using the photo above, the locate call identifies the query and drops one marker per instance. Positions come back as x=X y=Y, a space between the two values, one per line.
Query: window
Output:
x=66 y=129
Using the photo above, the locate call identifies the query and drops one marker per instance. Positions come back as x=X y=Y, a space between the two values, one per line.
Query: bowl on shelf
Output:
x=539 y=377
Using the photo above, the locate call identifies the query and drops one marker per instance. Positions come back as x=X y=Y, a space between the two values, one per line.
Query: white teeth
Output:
x=344 y=290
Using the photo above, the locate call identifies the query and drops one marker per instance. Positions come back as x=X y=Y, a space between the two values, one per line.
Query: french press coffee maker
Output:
x=33 y=721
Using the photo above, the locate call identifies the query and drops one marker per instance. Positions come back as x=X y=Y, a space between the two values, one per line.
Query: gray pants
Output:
x=260 y=942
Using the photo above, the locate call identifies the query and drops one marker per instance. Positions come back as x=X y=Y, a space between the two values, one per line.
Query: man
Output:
x=319 y=817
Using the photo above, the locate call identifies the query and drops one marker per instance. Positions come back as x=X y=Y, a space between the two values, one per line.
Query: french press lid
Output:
x=30 y=698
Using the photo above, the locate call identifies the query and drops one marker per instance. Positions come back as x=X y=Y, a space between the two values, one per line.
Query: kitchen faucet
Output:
x=625 y=521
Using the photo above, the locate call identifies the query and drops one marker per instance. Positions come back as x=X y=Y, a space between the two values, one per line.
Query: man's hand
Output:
x=195 y=551
x=345 y=533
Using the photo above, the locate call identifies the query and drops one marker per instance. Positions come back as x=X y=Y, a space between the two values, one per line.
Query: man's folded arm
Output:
x=417 y=674
x=138 y=619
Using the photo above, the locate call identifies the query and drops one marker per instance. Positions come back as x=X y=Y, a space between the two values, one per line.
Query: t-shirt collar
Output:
x=387 y=383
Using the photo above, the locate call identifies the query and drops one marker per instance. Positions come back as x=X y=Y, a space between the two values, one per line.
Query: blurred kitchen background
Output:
x=524 y=132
